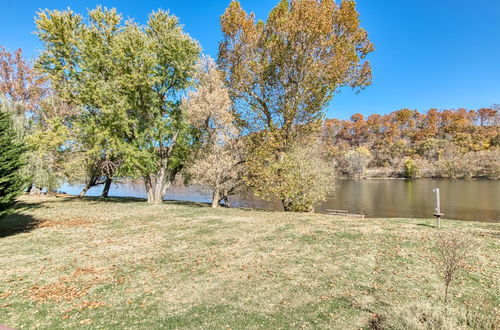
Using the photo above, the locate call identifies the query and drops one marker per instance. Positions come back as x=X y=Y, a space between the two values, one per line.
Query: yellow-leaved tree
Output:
x=281 y=74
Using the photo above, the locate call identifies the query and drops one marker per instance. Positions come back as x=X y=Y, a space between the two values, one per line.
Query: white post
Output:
x=438 y=208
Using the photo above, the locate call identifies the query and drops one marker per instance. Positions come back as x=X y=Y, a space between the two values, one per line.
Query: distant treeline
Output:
x=457 y=143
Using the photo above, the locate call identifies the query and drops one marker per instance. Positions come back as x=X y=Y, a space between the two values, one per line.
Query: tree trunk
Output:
x=216 y=199
x=446 y=297
x=226 y=201
x=156 y=186
x=92 y=182
x=36 y=191
x=107 y=186
x=84 y=190
x=287 y=204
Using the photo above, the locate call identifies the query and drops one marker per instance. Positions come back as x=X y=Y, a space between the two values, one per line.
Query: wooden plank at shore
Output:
x=347 y=215
x=337 y=211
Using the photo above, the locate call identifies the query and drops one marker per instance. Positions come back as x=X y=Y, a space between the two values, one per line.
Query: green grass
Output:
x=66 y=262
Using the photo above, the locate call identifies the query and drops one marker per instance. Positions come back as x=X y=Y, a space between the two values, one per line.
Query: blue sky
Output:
x=429 y=53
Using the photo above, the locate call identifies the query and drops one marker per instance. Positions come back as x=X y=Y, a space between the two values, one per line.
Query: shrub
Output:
x=458 y=166
x=300 y=176
x=453 y=249
x=410 y=169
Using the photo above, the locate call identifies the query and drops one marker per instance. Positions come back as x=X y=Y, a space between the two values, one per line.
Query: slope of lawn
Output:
x=121 y=263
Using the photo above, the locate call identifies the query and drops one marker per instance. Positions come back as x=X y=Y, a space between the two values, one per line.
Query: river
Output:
x=473 y=200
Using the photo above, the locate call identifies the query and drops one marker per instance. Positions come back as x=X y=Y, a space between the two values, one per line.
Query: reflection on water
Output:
x=477 y=200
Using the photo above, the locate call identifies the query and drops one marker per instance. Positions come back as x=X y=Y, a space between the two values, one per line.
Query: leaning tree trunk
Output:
x=84 y=190
x=107 y=186
x=156 y=186
x=92 y=182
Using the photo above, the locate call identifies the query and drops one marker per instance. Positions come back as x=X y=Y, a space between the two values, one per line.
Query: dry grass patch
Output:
x=127 y=264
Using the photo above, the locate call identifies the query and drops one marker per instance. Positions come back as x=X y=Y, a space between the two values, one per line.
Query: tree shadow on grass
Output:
x=128 y=200
x=426 y=225
x=17 y=223
x=186 y=203
x=222 y=207
x=27 y=206
x=114 y=200
x=70 y=198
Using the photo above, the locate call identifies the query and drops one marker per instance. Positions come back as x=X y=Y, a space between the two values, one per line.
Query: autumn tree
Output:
x=20 y=83
x=220 y=169
x=40 y=118
x=300 y=178
x=219 y=164
x=129 y=79
x=440 y=143
x=282 y=73
x=356 y=161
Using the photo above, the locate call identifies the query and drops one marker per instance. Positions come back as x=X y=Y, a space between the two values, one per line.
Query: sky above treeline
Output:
x=441 y=54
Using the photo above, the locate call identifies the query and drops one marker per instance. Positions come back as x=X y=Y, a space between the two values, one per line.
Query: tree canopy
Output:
x=128 y=80
x=284 y=71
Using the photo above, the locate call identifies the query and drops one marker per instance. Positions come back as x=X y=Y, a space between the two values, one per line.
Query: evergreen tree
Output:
x=11 y=161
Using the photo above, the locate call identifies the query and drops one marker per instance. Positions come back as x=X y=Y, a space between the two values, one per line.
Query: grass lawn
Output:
x=121 y=263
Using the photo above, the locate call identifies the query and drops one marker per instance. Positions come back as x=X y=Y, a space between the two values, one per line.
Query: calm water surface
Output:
x=476 y=200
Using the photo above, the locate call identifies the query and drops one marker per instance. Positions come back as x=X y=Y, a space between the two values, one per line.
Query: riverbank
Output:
x=389 y=173
x=123 y=263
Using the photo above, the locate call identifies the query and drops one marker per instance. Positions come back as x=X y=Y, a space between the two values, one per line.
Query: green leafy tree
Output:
x=11 y=163
x=48 y=145
x=129 y=80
